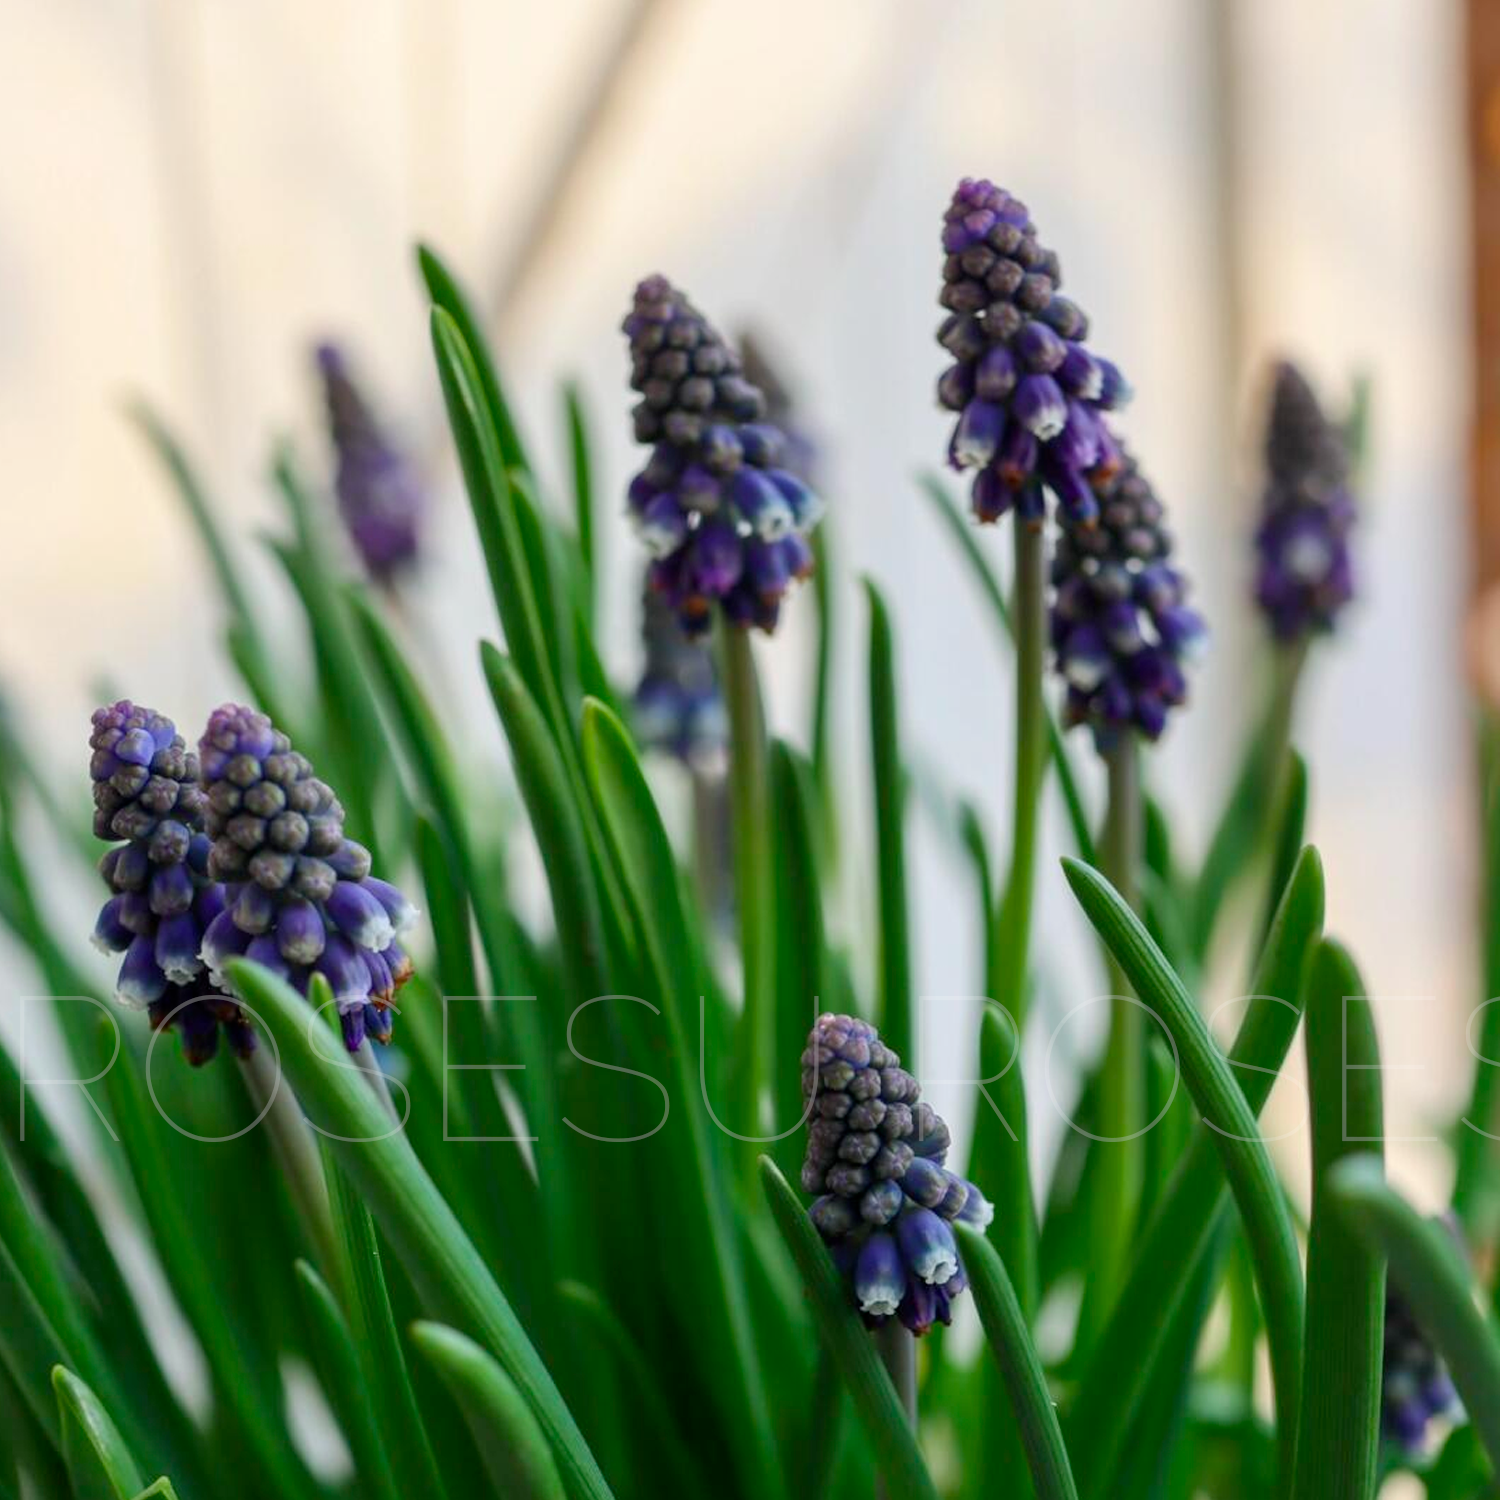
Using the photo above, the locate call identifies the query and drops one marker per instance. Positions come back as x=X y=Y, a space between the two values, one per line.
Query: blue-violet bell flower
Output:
x=1415 y=1388
x=725 y=521
x=162 y=899
x=678 y=706
x=300 y=895
x=1028 y=394
x=1304 y=574
x=876 y=1158
x=1122 y=632
x=381 y=498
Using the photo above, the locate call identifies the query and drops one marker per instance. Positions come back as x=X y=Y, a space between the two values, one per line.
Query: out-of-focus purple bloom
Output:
x=725 y=520
x=381 y=499
x=162 y=899
x=1122 y=631
x=1304 y=576
x=678 y=706
x=299 y=895
x=1027 y=391
x=875 y=1156
x=1415 y=1389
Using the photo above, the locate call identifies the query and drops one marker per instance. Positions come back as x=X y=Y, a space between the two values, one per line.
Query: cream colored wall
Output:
x=192 y=189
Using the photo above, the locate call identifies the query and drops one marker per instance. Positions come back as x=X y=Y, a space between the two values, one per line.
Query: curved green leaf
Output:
x=505 y=1430
x=100 y=1466
x=420 y=1226
x=853 y=1350
x=1247 y=1164
x=1338 y=1442
x=1426 y=1268
x=1010 y=1342
x=353 y=1402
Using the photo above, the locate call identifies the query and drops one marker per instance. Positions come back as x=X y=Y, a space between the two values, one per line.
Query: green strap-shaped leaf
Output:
x=446 y=1268
x=847 y=1341
x=352 y=1400
x=376 y=1343
x=160 y=1490
x=659 y=1427
x=505 y=1430
x=100 y=1466
x=634 y=827
x=820 y=733
x=1247 y=1164
x=1025 y=1382
x=445 y=291
x=1338 y=1441
x=897 y=1023
x=581 y=470
x=1427 y=1270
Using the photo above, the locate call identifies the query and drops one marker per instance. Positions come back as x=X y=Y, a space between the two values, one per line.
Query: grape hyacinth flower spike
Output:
x=1304 y=576
x=1028 y=394
x=678 y=706
x=300 y=896
x=1121 y=629
x=875 y=1156
x=725 y=520
x=162 y=899
x=380 y=497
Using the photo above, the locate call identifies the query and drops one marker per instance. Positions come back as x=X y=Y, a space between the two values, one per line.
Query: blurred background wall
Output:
x=194 y=190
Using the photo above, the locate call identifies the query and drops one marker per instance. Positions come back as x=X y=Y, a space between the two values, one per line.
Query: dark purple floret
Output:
x=381 y=499
x=1028 y=394
x=299 y=894
x=1121 y=628
x=1304 y=576
x=875 y=1155
x=678 y=706
x=725 y=519
x=1415 y=1390
x=162 y=898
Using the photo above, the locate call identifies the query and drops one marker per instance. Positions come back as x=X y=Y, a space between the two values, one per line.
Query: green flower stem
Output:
x=1338 y=1437
x=898 y=1353
x=1013 y=920
x=1260 y=788
x=749 y=796
x=296 y=1153
x=1122 y=1081
x=1430 y=1274
x=896 y=1020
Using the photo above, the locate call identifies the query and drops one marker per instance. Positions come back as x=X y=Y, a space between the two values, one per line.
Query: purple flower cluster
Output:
x=300 y=898
x=162 y=899
x=1304 y=576
x=1028 y=393
x=380 y=497
x=678 y=706
x=724 y=520
x=875 y=1154
x=1121 y=628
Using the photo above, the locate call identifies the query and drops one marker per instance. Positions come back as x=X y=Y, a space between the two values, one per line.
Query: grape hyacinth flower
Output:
x=162 y=900
x=1415 y=1388
x=678 y=706
x=1029 y=395
x=380 y=497
x=1304 y=576
x=1121 y=629
x=725 y=521
x=299 y=895
x=875 y=1156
